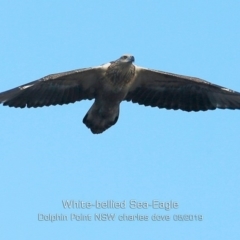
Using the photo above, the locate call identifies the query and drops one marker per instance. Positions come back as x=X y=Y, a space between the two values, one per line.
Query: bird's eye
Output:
x=124 y=57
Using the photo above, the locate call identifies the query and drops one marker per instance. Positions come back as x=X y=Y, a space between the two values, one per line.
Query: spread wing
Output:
x=172 y=91
x=60 y=88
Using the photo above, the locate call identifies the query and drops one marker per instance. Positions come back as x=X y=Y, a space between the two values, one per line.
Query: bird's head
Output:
x=126 y=58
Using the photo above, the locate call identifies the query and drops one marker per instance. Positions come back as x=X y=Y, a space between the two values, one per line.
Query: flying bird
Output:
x=111 y=83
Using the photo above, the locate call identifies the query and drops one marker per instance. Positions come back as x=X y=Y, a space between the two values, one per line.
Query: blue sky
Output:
x=49 y=156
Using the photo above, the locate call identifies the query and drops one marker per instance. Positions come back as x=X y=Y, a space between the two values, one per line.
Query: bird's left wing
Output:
x=172 y=91
x=60 y=88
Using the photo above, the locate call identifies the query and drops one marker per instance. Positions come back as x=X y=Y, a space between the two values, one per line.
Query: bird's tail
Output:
x=101 y=116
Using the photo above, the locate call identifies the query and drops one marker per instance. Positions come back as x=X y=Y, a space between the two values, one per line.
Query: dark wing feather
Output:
x=60 y=88
x=172 y=91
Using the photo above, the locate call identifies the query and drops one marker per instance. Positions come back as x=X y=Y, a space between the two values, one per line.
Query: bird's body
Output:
x=112 y=89
x=111 y=83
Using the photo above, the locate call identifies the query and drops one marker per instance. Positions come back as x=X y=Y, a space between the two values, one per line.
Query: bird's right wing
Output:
x=60 y=88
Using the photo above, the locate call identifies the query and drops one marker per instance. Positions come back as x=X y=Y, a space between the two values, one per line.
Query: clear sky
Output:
x=48 y=155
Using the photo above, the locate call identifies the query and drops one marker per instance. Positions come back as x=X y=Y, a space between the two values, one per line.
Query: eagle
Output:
x=111 y=83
